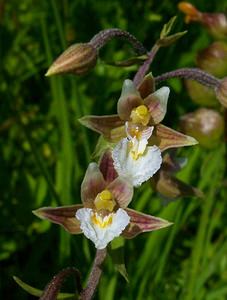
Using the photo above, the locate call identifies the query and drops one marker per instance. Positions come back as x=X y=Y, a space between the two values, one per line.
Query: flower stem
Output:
x=104 y=36
x=94 y=277
x=191 y=73
x=145 y=67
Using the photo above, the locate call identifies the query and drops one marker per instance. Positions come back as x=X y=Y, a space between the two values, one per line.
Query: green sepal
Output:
x=169 y=40
x=166 y=39
x=116 y=251
x=167 y=27
x=38 y=293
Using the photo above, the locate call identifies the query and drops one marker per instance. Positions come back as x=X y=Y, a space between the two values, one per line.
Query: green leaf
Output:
x=167 y=27
x=167 y=41
x=38 y=293
x=117 y=254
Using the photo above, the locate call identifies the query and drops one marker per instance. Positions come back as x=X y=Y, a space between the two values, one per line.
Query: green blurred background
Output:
x=44 y=153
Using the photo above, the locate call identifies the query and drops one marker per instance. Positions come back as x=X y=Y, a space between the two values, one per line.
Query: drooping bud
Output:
x=201 y=94
x=221 y=92
x=206 y=125
x=213 y=59
x=77 y=59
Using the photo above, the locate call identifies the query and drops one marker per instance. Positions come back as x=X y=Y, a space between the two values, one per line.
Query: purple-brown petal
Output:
x=147 y=86
x=157 y=104
x=165 y=138
x=107 y=168
x=92 y=184
x=64 y=216
x=122 y=191
x=140 y=222
x=128 y=100
x=102 y=124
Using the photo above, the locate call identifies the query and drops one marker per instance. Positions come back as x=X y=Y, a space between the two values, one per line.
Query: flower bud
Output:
x=201 y=94
x=206 y=125
x=77 y=59
x=221 y=92
x=213 y=59
x=216 y=24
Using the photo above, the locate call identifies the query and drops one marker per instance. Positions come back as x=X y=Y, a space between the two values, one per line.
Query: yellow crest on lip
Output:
x=140 y=115
x=104 y=200
x=100 y=221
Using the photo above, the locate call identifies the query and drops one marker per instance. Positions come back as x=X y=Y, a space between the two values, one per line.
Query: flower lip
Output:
x=102 y=229
x=136 y=170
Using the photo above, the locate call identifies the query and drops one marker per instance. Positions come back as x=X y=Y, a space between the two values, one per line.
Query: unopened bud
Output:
x=77 y=59
x=201 y=94
x=213 y=59
x=221 y=92
x=206 y=125
x=216 y=24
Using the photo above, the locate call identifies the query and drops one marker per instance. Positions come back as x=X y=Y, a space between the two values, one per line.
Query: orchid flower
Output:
x=139 y=107
x=103 y=214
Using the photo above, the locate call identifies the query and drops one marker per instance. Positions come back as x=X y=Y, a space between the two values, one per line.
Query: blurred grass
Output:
x=44 y=153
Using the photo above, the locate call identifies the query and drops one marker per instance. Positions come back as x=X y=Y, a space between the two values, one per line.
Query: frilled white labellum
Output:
x=101 y=230
x=136 y=169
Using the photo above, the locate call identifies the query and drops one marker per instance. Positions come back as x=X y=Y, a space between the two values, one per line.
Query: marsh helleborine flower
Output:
x=136 y=130
x=104 y=214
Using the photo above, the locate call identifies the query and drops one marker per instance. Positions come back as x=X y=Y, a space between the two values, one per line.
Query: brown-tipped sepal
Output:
x=140 y=223
x=64 y=216
x=77 y=59
x=206 y=125
x=165 y=138
x=111 y=127
x=221 y=92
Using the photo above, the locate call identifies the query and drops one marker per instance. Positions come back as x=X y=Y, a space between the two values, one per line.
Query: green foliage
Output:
x=45 y=151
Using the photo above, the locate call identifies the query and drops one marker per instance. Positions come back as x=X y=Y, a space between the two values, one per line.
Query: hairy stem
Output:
x=145 y=67
x=190 y=73
x=104 y=36
x=94 y=276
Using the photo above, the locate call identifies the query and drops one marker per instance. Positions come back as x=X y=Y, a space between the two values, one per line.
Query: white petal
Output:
x=98 y=235
x=139 y=170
